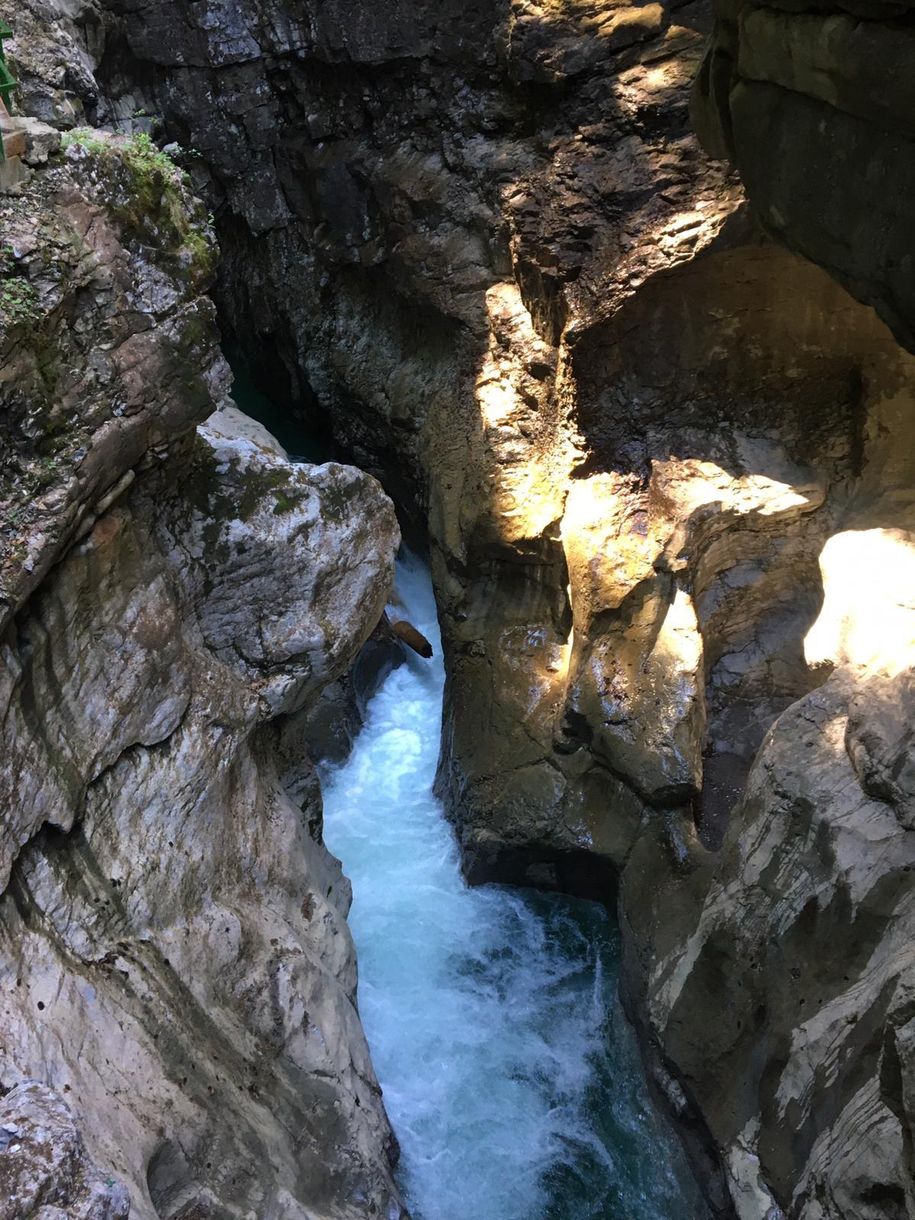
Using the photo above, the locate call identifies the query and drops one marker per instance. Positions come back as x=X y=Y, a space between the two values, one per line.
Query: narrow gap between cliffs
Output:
x=510 y=1073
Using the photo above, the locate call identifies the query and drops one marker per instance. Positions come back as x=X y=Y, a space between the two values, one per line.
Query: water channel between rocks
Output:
x=510 y=1074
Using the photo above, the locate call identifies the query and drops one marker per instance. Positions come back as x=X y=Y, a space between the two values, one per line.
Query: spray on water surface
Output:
x=509 y=1072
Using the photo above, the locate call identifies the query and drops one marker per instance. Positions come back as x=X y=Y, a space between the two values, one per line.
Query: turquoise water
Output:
x=510 y=1074
x=281 y=421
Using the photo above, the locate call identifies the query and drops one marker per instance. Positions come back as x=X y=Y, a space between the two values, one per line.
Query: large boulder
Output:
x=174 y=945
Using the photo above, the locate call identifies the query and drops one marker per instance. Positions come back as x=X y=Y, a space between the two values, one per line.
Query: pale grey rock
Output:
x=174 y=956
x=42 y=140
x=108 y=342
x=230 y=421
x=812 y=975
x=131 y=688
x=179 y=962
x=250 y=519
x=789 y=966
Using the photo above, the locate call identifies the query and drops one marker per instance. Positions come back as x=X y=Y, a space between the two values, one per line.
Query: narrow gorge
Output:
x=507 y=1066
x=606 y=310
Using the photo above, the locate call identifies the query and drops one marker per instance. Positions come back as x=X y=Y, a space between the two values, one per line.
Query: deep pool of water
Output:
x=281 y=421
x=510 y=1074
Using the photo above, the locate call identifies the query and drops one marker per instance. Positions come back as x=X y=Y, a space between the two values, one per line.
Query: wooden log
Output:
x=412 y=638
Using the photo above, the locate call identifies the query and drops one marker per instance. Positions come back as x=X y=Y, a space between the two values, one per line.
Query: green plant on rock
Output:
x=18 y=302
x=84 y=137
x=285 y=501
x=200 y=250
x=144 y=157
x=148 y=195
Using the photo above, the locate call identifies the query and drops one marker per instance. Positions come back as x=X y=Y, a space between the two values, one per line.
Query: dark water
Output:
x=288 y=427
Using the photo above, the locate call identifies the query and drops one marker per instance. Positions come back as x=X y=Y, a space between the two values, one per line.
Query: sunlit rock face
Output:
x=666 y=470
x=791 y=970
x=790 y=966
x=795 y=979
x=421 y=212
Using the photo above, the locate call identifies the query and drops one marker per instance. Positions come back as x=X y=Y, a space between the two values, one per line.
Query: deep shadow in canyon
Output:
x=663 y=465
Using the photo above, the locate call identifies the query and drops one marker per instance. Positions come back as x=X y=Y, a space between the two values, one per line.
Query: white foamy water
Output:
x=509 y=1073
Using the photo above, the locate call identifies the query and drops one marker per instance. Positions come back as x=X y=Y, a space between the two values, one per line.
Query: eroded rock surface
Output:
x=422 y=213
x=179 y=963
x=665 y=467
x=790 y=969
x=795 y=980
x=485 y=240
x=45 y=1172
x=106 y=340
x=815 y=108
x=179 y=1029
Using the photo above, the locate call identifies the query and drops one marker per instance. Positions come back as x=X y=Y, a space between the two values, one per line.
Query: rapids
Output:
x=510 y=1074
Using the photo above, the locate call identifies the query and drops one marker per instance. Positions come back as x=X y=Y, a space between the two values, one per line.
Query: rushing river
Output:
x=509 y=1072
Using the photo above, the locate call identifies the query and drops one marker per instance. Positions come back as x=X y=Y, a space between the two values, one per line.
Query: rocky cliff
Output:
x=813 y=103
x=663 y=461
x=427 y=218
x=180 y=1035
x=792 y=972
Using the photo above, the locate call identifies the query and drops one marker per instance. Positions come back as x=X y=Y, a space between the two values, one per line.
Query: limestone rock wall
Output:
x=421 y=214
x=664 y=464
x=106 y=337
x=177 y=963
x=179 y=1029
x=813 y=104
x=796 y=934
x=485 y=242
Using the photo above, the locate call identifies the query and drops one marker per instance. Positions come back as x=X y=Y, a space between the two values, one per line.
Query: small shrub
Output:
x=18 y=302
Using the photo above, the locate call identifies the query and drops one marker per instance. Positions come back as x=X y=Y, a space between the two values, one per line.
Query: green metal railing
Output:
x=7 y=80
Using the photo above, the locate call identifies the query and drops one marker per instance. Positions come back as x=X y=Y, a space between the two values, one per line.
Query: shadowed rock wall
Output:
x=665 y=466
x=813 y=104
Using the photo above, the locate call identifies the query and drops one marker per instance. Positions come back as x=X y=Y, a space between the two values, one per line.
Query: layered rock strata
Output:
x=664 y=466
x=422 y=213
x=178 y=981
x=800 y=928
x=814 y=106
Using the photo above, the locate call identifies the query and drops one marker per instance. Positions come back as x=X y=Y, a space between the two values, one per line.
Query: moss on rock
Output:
x=150 y=197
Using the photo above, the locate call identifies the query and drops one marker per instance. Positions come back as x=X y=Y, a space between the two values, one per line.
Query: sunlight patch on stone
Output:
x=868 y=615
x=527 y=466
